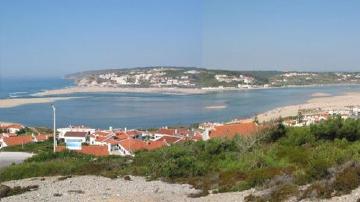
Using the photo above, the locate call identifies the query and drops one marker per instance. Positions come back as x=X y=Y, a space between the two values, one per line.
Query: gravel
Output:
x=95 y=188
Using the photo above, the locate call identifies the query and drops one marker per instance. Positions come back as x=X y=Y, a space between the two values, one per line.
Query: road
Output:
x=7 y=158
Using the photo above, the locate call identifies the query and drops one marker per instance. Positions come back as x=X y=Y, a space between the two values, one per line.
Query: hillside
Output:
x=320 y=161
x=192 y=77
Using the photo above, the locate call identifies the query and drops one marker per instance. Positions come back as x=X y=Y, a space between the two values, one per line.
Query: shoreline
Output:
x=15 y=102
x=325 y=102
x=167 y=90
x=317 y=100
x=78 y=89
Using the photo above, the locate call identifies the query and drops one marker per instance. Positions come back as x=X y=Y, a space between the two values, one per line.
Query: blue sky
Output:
x=48 y=38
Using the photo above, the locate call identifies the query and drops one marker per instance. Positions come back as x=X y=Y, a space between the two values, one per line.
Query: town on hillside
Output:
x=185 y=77
x=125 y=142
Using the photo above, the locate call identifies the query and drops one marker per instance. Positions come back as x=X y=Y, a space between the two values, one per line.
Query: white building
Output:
x=62 y=131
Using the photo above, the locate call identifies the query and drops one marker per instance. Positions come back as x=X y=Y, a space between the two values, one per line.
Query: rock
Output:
x=4 y=190
x=64 y=177
x=127 y=177
x=76 y=191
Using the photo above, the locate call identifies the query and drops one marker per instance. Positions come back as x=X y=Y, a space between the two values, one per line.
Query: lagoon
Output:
x=143 y=110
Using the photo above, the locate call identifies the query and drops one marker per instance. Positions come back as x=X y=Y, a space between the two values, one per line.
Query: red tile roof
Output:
x=133 y=145
x=41 y=137
x=75 y=134
x=102 y=133
x=183 y=131
x=17 y=126
x=170 y=139
x=94 y=150
x=230 y=130
x=152 y=145
x=177 y=131
x=166 y=131
x=112 y=141
x=197 y=137
x=18 y=140
x=133 y=133
x=101 y=138
x=121 y=135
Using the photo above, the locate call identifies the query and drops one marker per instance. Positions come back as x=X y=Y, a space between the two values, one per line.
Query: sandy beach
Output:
x=324 y=102
x=8 y=103
x=77 y=89
x=165 y=90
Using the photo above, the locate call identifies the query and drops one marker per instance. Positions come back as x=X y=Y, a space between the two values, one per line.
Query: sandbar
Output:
x=8 y=103
x=323 y=102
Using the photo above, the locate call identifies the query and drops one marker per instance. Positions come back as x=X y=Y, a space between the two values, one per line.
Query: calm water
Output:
x=134 y=110
x=16 y=87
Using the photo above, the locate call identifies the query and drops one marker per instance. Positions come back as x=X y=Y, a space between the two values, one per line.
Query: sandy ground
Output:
x=8 y=103
x=163 y=90
x=7 y=158
x=318 y=101
x=77 y=89
x=95 y=188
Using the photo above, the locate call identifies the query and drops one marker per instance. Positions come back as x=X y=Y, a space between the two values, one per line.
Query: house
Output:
x=15 y=140
x=74 y=140
x=170 y=139
x=129 y=146
x=231 y=130
x=40 y=138
x=11 y=128
x=63 y=131
x=174 y=131
x=95 y=150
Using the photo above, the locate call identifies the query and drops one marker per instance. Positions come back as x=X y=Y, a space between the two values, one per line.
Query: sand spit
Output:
x=8 y=103
x=216 y=107
x=324 y=102
x=77 y=89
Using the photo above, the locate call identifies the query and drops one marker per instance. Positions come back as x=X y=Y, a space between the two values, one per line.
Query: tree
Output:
x=300 y=117
x=277 y=131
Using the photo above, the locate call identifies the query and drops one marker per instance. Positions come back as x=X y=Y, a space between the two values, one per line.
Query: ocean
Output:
x=141 y=110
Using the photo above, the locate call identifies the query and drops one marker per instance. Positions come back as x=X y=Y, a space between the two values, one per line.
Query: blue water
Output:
x=24 y=87
x=137 y=110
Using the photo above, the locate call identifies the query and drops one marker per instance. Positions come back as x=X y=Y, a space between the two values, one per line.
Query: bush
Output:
x=276 y=132
x=347 y=180
x=336 y=127
x=305 y=154
x=299 y=136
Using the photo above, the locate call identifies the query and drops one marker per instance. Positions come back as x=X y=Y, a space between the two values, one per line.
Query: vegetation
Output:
x=6 y=191
x=36 y=147
x=25 y=131
x=279 y=158
x=206 y=77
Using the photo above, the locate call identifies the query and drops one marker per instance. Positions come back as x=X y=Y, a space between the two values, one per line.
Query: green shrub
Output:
x=298 y=136
x=347 y=180
x=304 y=153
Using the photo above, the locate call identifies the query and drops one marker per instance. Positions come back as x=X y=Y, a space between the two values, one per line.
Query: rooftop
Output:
x=75 y=134
x=231 y=130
